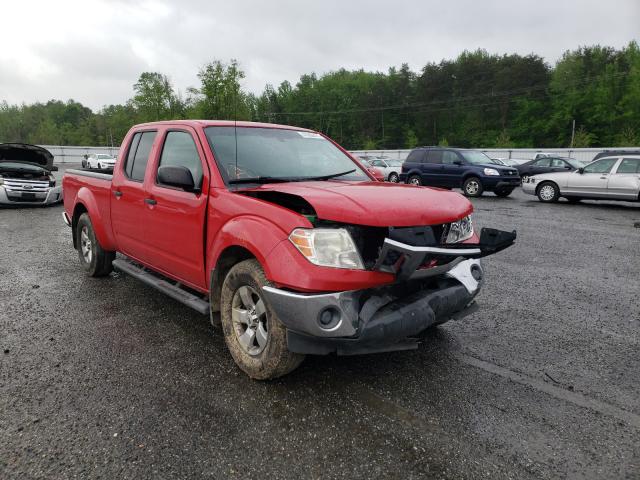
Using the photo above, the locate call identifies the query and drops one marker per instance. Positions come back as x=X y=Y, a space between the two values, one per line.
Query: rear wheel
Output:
x=548 y=192
x=472 y=187
x=393 y=177
x=95 y=260
x=503 y=192
x=255 y=336
x=414 y=180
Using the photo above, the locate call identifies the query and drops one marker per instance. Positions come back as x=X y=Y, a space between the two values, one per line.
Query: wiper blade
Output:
x=261 y=180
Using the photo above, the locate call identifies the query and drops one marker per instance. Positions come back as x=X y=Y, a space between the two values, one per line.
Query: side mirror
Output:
x=457 y=162
x=177 y=176
x=581 y=170
x=54 y=169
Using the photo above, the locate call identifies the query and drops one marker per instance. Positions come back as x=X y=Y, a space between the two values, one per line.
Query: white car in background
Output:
x=608 y=178
x=389 y=167
x=100 y=160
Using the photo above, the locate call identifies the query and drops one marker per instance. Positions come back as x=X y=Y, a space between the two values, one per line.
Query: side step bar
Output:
x=165 y=286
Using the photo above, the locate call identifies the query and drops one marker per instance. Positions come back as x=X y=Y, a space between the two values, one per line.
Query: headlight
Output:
x=491 y=171
x=460 y=230
x=327 y=247
x=52 y=181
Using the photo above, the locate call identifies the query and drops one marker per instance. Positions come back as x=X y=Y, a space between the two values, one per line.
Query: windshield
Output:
x=278 y=153
x=394 y=163
x=104 y=157
x=20 y=166
x=477 y=158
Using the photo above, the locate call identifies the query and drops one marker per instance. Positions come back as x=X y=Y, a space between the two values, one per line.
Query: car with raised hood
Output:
x=616 y=177
x=26 y=175
x=448 y=167
x=282 y=232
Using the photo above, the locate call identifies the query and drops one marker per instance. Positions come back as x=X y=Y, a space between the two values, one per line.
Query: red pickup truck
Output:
x=285 y=234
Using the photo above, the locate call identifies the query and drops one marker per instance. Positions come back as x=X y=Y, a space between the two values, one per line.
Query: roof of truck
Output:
x=223 y=123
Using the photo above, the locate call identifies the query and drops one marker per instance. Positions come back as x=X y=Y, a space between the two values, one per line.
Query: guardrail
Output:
x=75 y=154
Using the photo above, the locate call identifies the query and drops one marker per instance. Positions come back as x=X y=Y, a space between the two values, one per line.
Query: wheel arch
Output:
x=229 y=257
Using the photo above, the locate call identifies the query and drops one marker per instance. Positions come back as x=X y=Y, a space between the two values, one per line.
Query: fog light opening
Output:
x=476 y=272
x=329 y=318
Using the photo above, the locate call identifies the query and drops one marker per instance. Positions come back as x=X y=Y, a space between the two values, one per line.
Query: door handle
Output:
x=150 y=201
x=117 y=193
x=603 y=178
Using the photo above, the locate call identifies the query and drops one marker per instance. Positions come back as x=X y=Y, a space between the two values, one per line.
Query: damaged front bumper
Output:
x=390 y=317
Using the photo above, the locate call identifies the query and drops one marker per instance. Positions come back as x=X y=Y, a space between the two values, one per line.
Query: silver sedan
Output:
x=608 y=178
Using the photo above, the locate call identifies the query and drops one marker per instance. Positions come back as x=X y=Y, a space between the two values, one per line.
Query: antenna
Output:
x=235 y=127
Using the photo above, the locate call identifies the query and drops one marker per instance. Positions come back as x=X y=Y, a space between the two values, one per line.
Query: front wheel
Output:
x=95 y=260
x=548 y=192
x=524 y=178
x=472 y=187
x=255 y=337
x=393 y=177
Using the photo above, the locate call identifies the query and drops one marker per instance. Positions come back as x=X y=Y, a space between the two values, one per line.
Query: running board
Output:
x=172 y=290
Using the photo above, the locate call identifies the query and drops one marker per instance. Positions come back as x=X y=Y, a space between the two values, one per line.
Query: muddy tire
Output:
x=95 y=260
x=254 y=335
x=472 y=187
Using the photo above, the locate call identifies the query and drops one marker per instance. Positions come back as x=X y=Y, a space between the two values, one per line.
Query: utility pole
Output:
x=383 y=128
x=573 y=132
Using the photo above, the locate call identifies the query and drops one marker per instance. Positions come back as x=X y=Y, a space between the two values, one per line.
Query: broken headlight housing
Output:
x=327 y=247
x=460 y=230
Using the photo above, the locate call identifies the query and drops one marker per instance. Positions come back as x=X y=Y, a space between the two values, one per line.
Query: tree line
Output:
x=590 y=97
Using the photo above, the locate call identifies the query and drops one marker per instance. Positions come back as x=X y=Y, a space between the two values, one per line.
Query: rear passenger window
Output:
x=629 y=165
x=434 y=156
x=556 y=162
x=544 y=162
x=180 y=150
x=449 y=157
x=415 y=156
x=138 y=155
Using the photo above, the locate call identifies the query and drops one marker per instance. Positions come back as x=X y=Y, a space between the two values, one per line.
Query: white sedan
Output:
x=608 y=178
x=101 y=161
x=389 y=167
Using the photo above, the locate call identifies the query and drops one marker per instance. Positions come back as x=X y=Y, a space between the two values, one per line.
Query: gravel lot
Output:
x=107 y=378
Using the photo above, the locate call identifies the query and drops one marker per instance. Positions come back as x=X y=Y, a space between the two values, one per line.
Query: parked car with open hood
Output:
x=608 y=178
x=26 y=176
x=280 y=230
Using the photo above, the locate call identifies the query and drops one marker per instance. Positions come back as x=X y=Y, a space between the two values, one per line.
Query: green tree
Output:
x=155 y=98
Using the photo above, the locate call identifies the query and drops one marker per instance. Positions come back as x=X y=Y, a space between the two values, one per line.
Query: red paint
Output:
x=184 y=234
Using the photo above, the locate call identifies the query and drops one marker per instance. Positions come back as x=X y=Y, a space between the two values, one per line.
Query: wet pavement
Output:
x=107 y=378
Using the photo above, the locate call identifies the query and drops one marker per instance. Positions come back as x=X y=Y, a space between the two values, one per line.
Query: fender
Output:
x=264 y=236
x=87 y=198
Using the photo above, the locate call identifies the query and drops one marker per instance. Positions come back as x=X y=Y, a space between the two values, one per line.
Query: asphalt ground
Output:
x=107 y=378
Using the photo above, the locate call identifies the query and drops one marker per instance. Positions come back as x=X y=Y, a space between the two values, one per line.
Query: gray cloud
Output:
x=94 y=53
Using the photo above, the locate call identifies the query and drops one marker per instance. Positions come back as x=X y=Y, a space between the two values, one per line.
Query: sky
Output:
x=93 y=51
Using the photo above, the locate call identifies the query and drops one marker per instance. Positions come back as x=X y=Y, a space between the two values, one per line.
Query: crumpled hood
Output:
x=24 y=153
x=377 y=204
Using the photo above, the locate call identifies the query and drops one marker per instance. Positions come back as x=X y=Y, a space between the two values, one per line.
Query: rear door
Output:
x=128 y=206
x=542 y=165
x=594 y=179
x=174 y=219
x=624 y=183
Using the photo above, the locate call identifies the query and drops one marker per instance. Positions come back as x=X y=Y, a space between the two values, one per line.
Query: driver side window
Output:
x=449 y=157
x=180 y=150
x=601 y=166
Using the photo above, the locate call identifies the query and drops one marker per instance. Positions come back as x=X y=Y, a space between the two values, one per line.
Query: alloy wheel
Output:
x=85 y=244
x=249 y=317
x=472 y=187
x=547 y=192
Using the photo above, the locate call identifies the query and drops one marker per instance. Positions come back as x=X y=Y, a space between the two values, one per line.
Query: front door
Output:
x=451 y=171
x=593 y=180
x=175 y=219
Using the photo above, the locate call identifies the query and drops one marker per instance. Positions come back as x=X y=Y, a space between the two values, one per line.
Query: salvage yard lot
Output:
x=109 y=378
